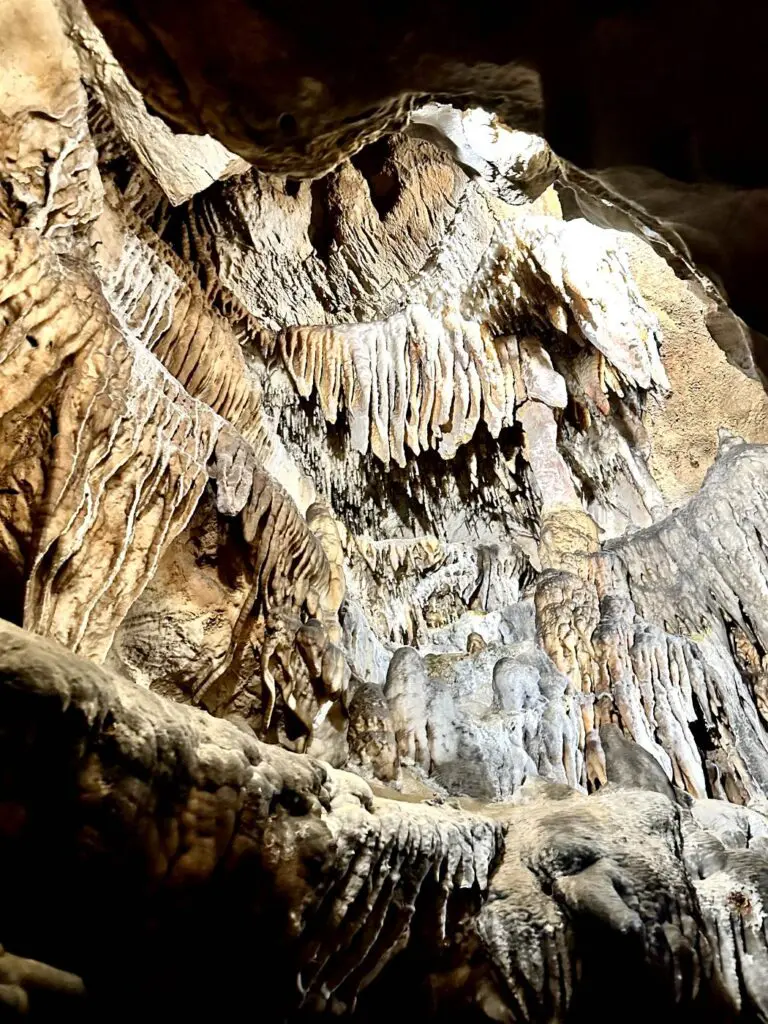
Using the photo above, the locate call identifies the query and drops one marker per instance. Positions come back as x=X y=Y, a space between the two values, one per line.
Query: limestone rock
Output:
x=372 y=741
x=581 y=79
x=234 y=810
x=367 y=647
x=537 y=895
x=406 y=694
x=183 y=165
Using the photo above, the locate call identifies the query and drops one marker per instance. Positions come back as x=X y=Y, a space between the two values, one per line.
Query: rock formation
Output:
x=365 y=639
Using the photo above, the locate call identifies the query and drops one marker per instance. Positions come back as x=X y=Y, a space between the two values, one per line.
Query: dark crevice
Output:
x=376 y=165
x=320 y=229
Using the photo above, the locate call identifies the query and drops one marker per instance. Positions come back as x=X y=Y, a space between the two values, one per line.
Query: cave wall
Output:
x=408 y=476
x=277 y=428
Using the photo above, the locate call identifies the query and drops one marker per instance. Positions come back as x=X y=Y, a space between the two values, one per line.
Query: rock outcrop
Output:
x=324 y=894
x=625 y=93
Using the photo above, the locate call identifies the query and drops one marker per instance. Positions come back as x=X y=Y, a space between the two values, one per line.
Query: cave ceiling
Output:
x=383 y=511
x=661 y=103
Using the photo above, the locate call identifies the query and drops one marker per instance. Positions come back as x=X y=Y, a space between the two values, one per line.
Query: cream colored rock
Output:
x=252 y=444
x=542 y=383
x=47 y=158
x=514 y=165
x=322 y=524
x=427 y=375
x=127 y=462
x=550 y=471
x=406 y=694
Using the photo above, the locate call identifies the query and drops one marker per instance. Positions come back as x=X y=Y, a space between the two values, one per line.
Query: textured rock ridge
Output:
x=197 y=806
x=120 y=453
x=313 y=881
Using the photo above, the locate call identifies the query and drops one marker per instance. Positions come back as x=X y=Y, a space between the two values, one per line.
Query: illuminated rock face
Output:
x=365 y=470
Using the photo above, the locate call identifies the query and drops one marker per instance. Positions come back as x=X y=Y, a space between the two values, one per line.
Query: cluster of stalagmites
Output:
x=660 y=632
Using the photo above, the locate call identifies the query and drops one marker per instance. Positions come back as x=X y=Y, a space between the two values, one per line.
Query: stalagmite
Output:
x=406 y=695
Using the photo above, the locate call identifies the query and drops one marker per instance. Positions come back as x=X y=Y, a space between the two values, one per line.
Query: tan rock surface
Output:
x=707 y=392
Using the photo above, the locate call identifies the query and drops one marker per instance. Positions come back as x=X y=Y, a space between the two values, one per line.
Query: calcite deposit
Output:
x=360 y=656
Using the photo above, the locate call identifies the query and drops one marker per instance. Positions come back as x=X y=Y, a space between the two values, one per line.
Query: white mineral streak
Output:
x=594 y=281
x=133 y=457
x=141 y=290
x=145 y=294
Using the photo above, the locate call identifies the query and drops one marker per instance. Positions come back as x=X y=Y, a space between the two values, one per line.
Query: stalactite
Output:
x=425 y=377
